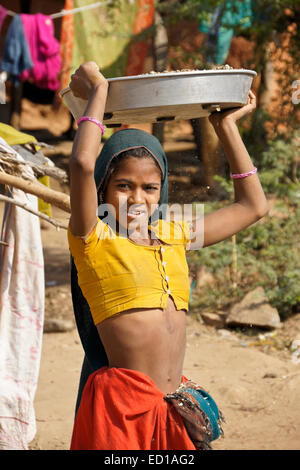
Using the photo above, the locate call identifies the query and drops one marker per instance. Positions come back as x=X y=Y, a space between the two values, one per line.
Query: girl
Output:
x=130 y=280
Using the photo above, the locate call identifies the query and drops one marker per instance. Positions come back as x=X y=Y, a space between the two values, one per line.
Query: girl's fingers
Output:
x=251 y=102
x=252 y=97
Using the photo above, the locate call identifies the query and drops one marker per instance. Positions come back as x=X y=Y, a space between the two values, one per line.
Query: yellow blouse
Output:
x=116 y=274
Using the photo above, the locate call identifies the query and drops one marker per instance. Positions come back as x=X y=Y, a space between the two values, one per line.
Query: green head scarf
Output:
x=130 y=139
x=121 y=141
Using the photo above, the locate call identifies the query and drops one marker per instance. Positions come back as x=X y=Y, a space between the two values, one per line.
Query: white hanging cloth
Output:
x=22 y=294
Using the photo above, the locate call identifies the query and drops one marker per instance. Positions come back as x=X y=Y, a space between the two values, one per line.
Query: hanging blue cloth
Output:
x=220 y=27
x=16 y=55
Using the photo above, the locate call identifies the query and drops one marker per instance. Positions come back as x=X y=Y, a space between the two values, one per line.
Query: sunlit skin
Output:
x=134 y=187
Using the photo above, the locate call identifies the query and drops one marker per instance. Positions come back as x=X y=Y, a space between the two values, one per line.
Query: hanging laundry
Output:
x=14 y=137
x=220 y=28
x=27 y=146
x=44 y=49
x=138 y=49
x=22 y=294
x=16 y=56
x=3 y=13
x=66 y=45
x=111 y=37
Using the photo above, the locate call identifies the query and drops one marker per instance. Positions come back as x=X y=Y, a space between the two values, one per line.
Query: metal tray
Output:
x=168 y=96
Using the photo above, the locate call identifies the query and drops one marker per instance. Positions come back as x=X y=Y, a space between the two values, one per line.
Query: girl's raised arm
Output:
x=87 y=83
x=250 y=203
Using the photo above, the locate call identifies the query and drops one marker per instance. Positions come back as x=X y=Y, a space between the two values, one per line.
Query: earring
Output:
x=100 y=198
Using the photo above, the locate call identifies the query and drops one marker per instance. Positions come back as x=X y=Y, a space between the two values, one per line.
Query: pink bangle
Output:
x=243 y=175
x=91 y=119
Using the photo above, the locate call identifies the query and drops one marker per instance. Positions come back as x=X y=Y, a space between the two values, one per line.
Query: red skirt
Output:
x=122 y=409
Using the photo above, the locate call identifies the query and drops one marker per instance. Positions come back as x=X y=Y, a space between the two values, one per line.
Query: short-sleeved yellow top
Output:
x=117 y=274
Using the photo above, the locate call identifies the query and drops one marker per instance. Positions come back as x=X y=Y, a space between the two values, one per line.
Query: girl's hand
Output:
x=86 y=79
x=217 y=118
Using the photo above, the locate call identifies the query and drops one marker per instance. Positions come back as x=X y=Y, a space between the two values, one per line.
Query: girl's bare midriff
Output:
x=151 y=341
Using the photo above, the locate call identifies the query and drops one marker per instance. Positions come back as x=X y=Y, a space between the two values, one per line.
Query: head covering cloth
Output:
x=121 y=141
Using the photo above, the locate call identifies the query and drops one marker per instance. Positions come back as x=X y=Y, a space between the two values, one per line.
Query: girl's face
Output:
x=134 y=191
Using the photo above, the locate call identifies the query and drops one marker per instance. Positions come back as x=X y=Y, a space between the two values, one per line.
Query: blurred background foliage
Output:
x=268 y=252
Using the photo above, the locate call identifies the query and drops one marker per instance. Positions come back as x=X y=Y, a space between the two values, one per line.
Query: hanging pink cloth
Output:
x=44 y=49
x=3 y=13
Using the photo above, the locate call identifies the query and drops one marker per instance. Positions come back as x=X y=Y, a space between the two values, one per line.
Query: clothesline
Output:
x=83 y=8
x=62 y=13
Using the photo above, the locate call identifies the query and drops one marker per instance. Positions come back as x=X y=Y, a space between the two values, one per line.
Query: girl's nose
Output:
x=136 y=196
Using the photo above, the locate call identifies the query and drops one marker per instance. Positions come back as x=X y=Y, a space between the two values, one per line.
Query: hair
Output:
x=139 y=152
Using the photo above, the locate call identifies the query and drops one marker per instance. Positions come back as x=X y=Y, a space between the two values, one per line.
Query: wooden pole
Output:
x=234 y=263
x=27 y=207
x=58 y=199
x=160 y=58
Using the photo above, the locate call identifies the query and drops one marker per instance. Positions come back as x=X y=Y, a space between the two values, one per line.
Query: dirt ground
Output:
x=257 y=386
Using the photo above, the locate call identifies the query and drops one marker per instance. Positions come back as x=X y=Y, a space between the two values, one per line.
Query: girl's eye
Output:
x=126 y=186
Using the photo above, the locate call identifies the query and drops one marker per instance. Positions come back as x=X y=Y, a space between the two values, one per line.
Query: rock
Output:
x=213 y=319
x=254 y=310
x=225 y=334
x=291 y=327
x=270 y=375
x=295 y=350
x=54 y=325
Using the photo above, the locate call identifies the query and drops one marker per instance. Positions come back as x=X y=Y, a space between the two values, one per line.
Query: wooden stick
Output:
x=41 y=170
x=234 y=262
x=25 y=206
x=56 y=198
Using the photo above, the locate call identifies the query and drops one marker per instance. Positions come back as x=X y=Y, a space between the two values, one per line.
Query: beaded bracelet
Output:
x=91 y=119
x=243 y=175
